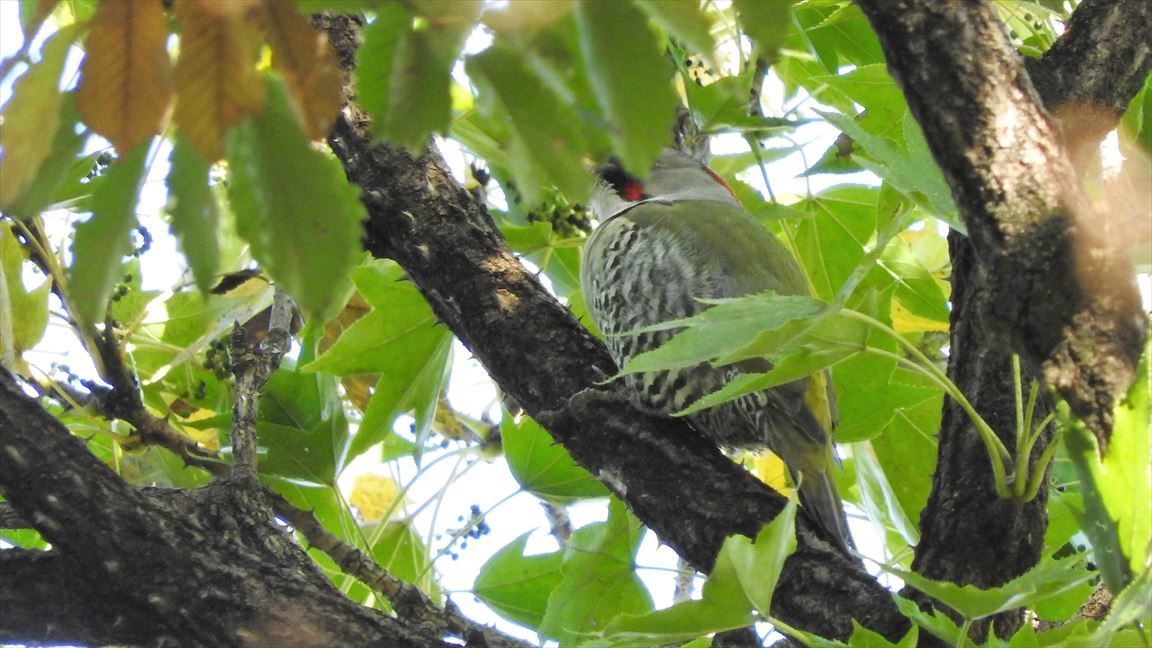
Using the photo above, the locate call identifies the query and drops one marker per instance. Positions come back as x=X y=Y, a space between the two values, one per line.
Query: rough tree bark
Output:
x=155 y=566
x=1036 y=270
x=1061 y=295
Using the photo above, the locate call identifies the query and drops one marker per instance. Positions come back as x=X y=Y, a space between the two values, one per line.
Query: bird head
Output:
x=675 y=177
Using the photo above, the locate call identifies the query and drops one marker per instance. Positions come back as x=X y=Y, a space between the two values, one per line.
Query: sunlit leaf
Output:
x=302 y=54
x=759 y=562
x=862 y=636
x=599 y=581
x=908 y=171
x=546 y=149
x=402 y=341
x=374 y=495
x=25 y=313
x=1136 y=125
x=685 y=21
x=215 y=79
x=294 y=206
x=744 y=577
x=375 y=58
x=126 y=78
x=1131 y=607
x=32 y=15
x=543 y=467
x=301 y=427
x=917 y=291
x=766 y=23
x=404 y=69
x=33 y=110
x=102 y=240
x=194 y=213
x=60 y=169
x=1117 y=511
x=725 y=329
x=402 y=552
x=906 y=452
x=934 y=622
x=832 y=243
x=878 y=497
x=723 y=605
x=1048 y=579
x=637 y=98
x=516 y=586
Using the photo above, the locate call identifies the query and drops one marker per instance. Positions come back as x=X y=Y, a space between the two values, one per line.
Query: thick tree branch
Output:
x=1062 y=297
x=208 y=566
x=680 y=485
x=1091 y=73
x=44 y=602
x=968 y=534
x=124 y=401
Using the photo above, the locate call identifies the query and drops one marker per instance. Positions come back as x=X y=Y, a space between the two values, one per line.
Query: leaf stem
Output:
x=967 y=625
x=1041 y=467
x=997 y=453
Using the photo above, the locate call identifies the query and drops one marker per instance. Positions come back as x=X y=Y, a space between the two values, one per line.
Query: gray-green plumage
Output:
x=651 y=260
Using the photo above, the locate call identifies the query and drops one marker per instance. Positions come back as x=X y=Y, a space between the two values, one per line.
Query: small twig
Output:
x=685 y=581
x=123 y=400
x=410 y=603
x=559 y=524
x=246 y=367
x=754 y=93
x=279 y=327
x=252 y=364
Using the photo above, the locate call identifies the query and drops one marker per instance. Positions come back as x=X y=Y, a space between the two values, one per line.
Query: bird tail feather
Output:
x=819 y=495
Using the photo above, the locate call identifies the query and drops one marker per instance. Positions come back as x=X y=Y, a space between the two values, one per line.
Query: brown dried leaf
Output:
x=216 y=80
x=358 y=389
x=126 y=78
x=302 y=54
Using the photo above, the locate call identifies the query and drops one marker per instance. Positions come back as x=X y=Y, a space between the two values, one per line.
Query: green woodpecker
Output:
x=661 y=246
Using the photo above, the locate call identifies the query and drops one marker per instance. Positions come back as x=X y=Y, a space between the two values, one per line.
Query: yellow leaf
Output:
x=23 y=312
x=302 y=54
x=358 y=389
x=31 y=116
x=216 y=80
x=209 y=438
x=126 y=78
x=905 y=321
x=356 y=308
x=374 y=496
